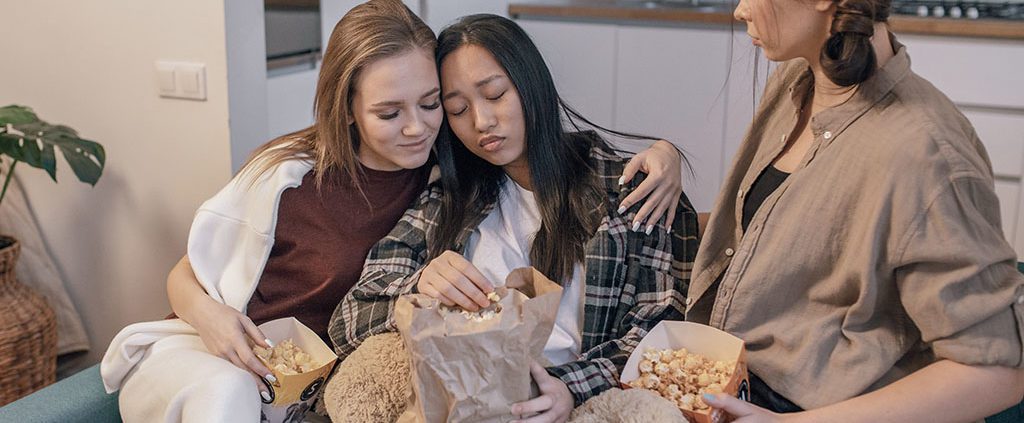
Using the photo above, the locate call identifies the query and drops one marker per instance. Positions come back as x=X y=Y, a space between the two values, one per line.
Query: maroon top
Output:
x=322 y=238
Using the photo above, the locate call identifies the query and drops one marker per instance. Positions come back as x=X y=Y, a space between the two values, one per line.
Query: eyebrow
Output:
x=479 y=84
x=399 y=103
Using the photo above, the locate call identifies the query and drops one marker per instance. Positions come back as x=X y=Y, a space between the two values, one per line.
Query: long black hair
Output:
x=569 y=193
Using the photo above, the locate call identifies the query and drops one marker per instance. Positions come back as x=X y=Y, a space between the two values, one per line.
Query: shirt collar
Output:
x=869 y=92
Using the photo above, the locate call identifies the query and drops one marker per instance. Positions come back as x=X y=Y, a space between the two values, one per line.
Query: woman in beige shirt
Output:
x=856 y=244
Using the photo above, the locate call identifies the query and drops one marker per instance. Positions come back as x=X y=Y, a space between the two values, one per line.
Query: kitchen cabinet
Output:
x=581 y=57
x=671 y=83
x=441 y=13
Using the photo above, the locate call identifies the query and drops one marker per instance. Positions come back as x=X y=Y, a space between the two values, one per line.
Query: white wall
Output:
x=90 y=65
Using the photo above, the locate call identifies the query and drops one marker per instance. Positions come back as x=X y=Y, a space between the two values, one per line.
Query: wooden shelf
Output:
x=609 y=10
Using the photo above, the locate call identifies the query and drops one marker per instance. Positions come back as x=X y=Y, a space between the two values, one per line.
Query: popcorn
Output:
x=682 y=377
x=286 y=358
x=486 y=313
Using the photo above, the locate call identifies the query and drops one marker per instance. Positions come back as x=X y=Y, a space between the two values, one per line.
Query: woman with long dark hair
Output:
x=856 y=244
x=517 y=189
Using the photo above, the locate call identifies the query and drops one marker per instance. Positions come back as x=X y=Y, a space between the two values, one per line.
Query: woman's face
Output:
x=397 y=111
x=483 y=107
x=787 y=29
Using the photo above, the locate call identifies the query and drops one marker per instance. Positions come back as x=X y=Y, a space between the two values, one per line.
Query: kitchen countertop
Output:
x=620 y=10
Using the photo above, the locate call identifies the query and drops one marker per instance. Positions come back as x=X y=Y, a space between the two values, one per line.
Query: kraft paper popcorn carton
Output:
x=677 y=358
x=293 y=394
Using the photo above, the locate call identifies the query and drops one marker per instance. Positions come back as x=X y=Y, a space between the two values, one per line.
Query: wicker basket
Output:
x=28 y=332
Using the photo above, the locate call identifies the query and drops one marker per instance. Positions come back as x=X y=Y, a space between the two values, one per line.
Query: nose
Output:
x=742 y=11
x=484 y=118
x=415 y=127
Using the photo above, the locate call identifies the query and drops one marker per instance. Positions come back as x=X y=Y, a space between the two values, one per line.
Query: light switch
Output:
x=165 y=79
x=181 y=80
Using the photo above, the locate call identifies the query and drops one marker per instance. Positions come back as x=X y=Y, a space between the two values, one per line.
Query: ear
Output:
x=825 y=6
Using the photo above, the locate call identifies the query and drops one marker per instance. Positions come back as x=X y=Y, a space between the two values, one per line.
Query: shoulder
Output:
x=922 y=129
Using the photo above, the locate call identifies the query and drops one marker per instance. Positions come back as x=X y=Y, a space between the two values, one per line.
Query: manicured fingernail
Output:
x=649 y=229
x=269 y=342
x=265 y=395
x=636 y=226
x=270 y=378
x=622 y=179
x=709 y=397
x=621 y=210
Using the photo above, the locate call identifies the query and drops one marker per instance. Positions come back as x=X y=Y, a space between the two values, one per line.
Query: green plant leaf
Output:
x=16 y=115
x=40 y=140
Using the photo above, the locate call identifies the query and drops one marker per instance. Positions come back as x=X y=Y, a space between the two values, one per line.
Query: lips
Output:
x=491 y=142
x=416 y=144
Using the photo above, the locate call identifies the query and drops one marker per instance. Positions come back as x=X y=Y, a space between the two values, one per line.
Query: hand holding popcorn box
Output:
x=300 y=361
x=681 y=361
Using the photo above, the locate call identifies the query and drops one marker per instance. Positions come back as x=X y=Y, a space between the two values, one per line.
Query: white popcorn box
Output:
x=293 y=394
x=700 y=339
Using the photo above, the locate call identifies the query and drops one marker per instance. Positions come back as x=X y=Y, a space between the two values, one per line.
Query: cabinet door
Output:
x=441 y=13
x=581 y=57
x=671 y=83
x=970 y=71
x=1009 y=206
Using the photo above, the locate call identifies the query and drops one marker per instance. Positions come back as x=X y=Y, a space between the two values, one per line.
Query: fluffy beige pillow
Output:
x=627 y=406
x=372 y=384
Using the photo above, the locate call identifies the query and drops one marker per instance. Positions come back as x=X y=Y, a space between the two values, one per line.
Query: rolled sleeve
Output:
x=958 y=279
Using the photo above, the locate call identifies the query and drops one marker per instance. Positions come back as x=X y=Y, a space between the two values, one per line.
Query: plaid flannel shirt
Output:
x=632 y=281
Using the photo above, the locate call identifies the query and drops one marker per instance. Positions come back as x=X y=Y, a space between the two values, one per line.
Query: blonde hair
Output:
x=369 y=32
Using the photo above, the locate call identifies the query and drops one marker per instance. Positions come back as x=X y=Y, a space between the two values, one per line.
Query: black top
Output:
x=765 y=185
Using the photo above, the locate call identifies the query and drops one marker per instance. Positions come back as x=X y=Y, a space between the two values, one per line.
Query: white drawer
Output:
x=1003 y=136
x=970 y=71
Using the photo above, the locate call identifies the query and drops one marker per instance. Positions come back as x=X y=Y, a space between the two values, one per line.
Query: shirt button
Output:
x=740 y=194
x=689 y=301
x=729 y=252
x=827 y=135
x=1020 y=299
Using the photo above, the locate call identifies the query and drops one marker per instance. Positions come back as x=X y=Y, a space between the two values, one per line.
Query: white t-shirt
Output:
x=502 y=243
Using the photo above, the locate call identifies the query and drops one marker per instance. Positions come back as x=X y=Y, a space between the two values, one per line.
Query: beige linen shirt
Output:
x=880 y=254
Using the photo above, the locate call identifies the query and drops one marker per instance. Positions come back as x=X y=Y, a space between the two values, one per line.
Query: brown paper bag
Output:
x=473 y=371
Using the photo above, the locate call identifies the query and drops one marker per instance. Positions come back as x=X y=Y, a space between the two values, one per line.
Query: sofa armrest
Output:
x=78 y=398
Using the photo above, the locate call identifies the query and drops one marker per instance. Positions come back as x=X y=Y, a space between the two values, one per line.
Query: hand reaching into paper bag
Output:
x=475 y=369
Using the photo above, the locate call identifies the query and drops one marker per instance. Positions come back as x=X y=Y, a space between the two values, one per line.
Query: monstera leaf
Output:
x=26 y=138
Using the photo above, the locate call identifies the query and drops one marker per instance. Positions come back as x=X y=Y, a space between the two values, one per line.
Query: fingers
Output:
x=427 y=288
x=255 y=333
x=453 y=280
x=632 y=167
x=264 y=393
x=461 y=287
x=650 y=205
x=658 y=213
x=531 y=407
x=471 y=272
x=730 y=404
x=670 y=218
x=253 y=364
x=646 y=187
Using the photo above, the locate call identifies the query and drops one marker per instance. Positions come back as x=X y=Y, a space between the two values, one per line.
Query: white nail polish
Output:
x=270 y=378
x=636 y=226
x=649 y=229
x=621 y=210
x=265 y=395
x=269 y=342
x=622 y=180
